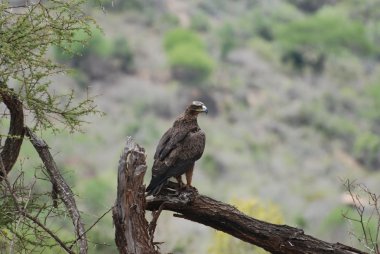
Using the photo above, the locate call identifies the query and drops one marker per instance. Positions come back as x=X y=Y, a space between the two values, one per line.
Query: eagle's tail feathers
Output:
x=155 y=186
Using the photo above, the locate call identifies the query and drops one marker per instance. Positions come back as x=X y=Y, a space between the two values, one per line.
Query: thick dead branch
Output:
x=131 y=227
x=279 y=239
x=63 y=189
x=13 y=143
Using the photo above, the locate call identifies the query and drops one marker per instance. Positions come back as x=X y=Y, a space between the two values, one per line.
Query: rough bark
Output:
x=278 y=239
x=131 y=227
x=61 y=187
x=11 y=149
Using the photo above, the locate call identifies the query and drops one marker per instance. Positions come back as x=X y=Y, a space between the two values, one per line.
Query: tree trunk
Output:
x=131 y=227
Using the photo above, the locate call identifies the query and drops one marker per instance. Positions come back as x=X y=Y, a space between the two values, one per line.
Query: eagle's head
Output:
x=196 y=107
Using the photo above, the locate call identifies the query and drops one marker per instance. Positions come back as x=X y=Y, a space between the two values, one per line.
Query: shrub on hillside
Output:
x=188 y=63
x=263 y=19
x=188 y=59
x=367 y=150
x=227 y=40
x=181 y=36
x=310 y=40
x=94 y=54
x=122 y=51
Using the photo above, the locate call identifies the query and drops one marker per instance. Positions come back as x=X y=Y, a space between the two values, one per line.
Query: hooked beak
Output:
x=204 y=109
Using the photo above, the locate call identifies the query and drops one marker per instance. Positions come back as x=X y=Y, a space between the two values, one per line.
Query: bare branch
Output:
x=63 y=189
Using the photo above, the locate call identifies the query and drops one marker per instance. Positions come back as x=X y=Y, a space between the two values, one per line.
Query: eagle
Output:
x=178 y=149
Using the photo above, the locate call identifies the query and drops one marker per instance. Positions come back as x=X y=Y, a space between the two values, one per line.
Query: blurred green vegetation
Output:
x=309 y=40
x=367 y=149
x=200 y=23
x=94 y=56
x=116 y=5
x=226 y=244
x=189 y=63
x=181 y=36
x=188 y=59
x=83 y=43
x=227 y=40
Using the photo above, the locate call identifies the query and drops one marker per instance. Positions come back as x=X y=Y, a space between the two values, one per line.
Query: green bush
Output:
x=189 y=63
x=122 y=51
x=373 y=94
x=94 y=56
x=262 y=20
x=227 y=40
x=181 y=36
x=329 y=32
x=367 y=149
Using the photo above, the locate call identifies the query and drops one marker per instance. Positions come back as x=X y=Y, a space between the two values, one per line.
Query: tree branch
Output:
x=60 y=185
x=132 y=234
x=279 y=239
x=131 y=227
x=13 y=143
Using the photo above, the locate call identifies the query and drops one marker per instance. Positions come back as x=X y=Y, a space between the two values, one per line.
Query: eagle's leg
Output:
x=179 y=180
x=189 y=176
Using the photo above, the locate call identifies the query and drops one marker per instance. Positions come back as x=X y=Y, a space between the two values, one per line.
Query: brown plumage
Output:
x=178 y=149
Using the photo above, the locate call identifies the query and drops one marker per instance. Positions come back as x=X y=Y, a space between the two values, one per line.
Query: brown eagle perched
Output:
x=178 y=149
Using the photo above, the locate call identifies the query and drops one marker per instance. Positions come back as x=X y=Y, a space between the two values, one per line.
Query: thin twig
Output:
x=96 y=222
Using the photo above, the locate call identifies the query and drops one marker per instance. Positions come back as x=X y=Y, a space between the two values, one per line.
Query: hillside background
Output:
x=293 y=91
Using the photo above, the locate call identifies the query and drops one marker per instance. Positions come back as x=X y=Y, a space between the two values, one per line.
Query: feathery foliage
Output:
x=27 y=32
